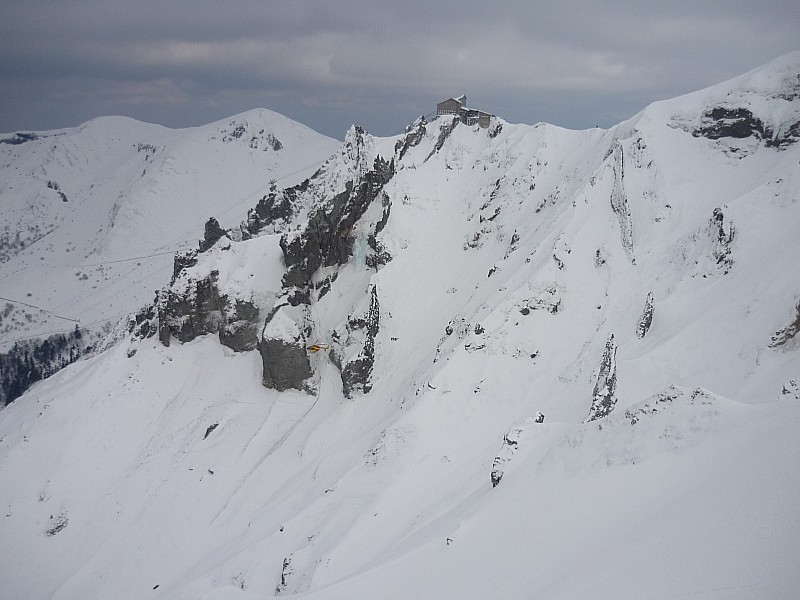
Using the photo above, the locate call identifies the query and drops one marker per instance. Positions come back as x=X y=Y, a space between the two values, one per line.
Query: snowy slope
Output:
x=635 y=286
x=92 y=215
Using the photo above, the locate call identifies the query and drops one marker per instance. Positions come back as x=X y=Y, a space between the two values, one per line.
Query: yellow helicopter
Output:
x=317 y=347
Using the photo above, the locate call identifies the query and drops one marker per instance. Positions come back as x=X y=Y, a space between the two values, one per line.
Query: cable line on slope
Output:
x=50 y=312
x=45 y=334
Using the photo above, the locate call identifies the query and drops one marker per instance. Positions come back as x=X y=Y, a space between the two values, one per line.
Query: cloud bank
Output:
x=379 y=64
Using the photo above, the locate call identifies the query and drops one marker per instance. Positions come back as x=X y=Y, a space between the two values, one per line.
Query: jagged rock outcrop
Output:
x=19 y=137
x=603 y=398
x=286 y=573
x=57 y=189
x=194 y=311
x=194 y=305
x=444 y=133
x=643 y=326
x=379 y=255
x=788 y=333
x=144 y=323
x=732 y=122
x=786 y=136
x=791 y=389
x=353 y=350
x=326 y=240
x=213 y=233
x=149 y=321
x=182 y=261
x=243 y=132
x=282 y=345
x=510 y=445
x=274 y=211
x=495 y=127
x=415 y=133
x=198 y=308
x=191 y=307
x=738 y=122
x=547 y=296
x=722 y=240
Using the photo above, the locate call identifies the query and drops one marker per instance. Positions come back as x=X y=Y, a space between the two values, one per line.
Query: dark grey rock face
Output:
x=720 y=122
x=379 y=256
x=213 y=233
x=326 y=239
x=19 y=138
x=151 y=320
x=603 y=398
x=193 y=306
x=195 y=312
x=286 y=365
x=200 y=309
x=273 y=211
x=283 y=349
x=182 y=261
x=788 y=136
x=239 y=331
x=144 y=323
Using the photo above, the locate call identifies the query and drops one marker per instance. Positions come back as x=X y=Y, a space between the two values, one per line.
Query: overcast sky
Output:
x=376 y=63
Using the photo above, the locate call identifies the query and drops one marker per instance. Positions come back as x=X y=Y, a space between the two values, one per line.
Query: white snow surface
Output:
x=173 y=473
x=135 y=193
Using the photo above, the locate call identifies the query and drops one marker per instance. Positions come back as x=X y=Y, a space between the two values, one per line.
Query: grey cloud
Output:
x=377 y=63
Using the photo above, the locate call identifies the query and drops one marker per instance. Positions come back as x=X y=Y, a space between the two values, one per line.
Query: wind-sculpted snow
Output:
x=352 y=402
x=669 y=422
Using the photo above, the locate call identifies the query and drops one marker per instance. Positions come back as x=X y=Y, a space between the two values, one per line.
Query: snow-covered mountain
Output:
x=550 y=364
x=93 y=214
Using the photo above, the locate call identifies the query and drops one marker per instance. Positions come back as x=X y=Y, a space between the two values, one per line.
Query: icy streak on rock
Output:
x=619 y=201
